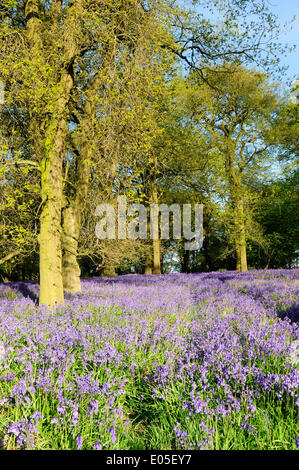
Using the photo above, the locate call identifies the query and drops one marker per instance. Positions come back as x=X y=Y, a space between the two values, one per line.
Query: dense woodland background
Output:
x=155 y=101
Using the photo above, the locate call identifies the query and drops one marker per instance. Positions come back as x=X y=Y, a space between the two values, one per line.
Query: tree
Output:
x=235 y=111
x=277 y=212
x=79 y=36
x=114 y=124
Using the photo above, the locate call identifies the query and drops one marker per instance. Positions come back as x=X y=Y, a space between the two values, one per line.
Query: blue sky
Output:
x=285 y=10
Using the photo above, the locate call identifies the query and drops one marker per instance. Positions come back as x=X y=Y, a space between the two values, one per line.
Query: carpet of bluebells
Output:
x=178 y=361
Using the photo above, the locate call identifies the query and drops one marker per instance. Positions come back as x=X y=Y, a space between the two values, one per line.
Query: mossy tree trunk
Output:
x=156 y=257
x=240 y=236
x=70 y=234
x=238 y=256
x=51 y=286
x=76 y=199
x=156 y=241
x=50 y=143
x=148 y=269
x=51 y=281
x=236 y=196
x=71 y=227
x=109 y=271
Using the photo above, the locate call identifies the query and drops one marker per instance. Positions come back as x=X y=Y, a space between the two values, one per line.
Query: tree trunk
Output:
x=70 y=266
x=50 y=150
x=109 y=271
x=206 y=251
x=148 y=269
x=51 y=286
x=238 y=256
x=72 y=214
x=72 y=219
x=51 y=283
x=186 y=261
x=235 y=182
x=156 y=257
x=156 y=241
x=240 y=236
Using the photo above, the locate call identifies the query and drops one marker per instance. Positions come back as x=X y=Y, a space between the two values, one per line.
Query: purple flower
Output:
x=93 y=407
x=97 y=446
x=36 y=416
x=113 y=434
x=79 y=442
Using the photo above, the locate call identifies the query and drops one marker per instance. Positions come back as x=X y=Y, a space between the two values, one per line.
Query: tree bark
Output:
x=109 y=271
x=156 y=242
x=206 y=249
x=70 y=267
x=186 y=261
x=51 y=286
x=235 y=183
x=238 y=256
x=51 y=281
x=240 y=236
x=148 y=269
x=156 y=257
x=50 y=155
x=71 y=226
x=72 y=214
